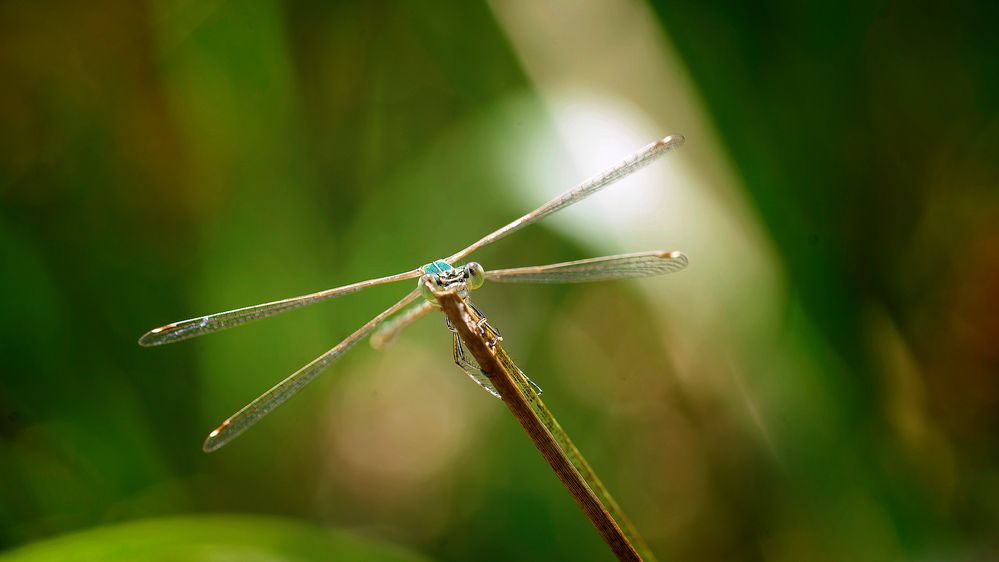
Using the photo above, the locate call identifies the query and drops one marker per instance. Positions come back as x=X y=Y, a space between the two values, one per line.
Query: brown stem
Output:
x=525 y=405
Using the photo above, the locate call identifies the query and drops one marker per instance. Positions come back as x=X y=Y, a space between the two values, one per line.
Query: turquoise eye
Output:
x=476 y=275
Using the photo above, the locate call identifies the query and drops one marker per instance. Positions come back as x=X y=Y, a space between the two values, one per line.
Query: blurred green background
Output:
x=820 y=384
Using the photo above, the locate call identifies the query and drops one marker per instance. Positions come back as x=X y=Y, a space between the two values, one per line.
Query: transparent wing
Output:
x=627 y=166
x=471 y=368
x=474 y=372
x=469 y=364
x=391 y=329
x=622 y=266
x=222 y=320
x=252 y=412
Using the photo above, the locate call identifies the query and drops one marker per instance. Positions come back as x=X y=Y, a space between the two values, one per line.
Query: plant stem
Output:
x=548 y=436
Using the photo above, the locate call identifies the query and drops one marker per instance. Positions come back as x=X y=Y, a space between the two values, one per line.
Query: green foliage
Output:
x=209 y=538
x=819 y=384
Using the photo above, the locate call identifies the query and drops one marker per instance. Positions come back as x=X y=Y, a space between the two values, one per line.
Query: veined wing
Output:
x=627 y=166
x=390 y=330
x=222 y=320
x=471 y=366
x=622 y=266
x=252 y=412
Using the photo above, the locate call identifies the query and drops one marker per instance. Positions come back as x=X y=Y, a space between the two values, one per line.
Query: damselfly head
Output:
x=441 y=276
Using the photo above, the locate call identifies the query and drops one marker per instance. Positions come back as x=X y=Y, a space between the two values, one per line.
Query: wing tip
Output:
x=154 y=337
x=216 y=439
x=677 y=256
x=670 y=142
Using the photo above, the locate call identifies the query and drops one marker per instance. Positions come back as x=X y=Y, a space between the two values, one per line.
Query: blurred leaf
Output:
x=210 y=538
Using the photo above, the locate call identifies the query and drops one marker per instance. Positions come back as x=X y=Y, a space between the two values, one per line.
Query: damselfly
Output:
x=441 y=274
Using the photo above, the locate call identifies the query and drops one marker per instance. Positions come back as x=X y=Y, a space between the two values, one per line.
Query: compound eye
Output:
x=425 y=291
x=476 y=275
